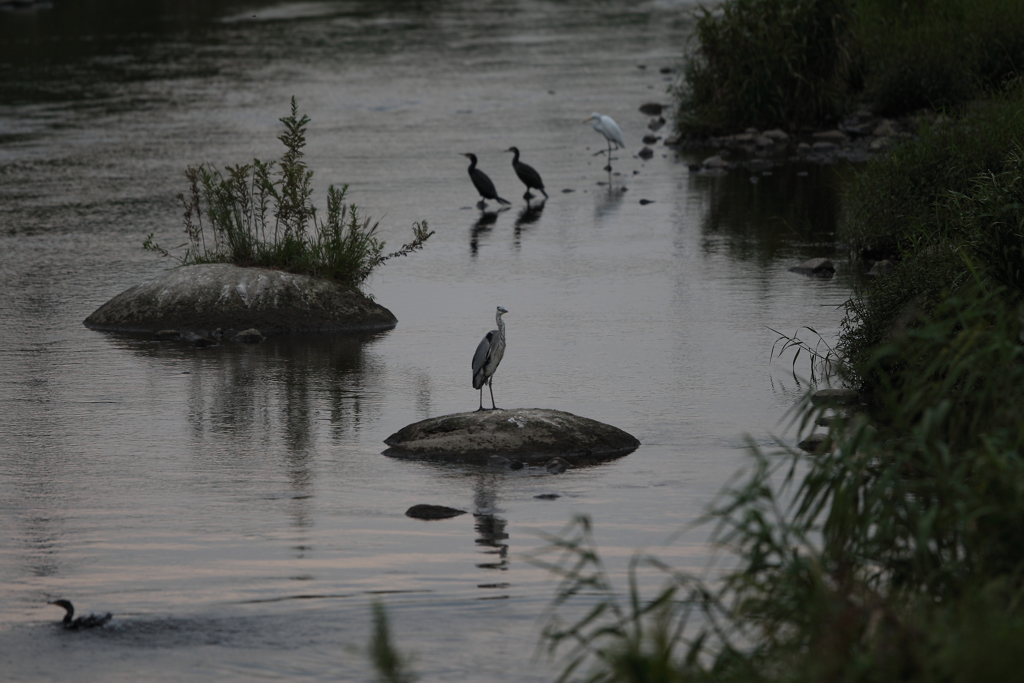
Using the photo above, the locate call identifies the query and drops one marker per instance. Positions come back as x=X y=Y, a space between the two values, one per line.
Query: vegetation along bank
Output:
x=895 y=552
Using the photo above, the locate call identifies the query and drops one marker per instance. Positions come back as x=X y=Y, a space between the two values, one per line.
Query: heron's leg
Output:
x=490 y=385
x=481 y=400
x=481 y=205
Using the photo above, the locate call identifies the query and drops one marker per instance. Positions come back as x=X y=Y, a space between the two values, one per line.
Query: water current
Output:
x=230 y=505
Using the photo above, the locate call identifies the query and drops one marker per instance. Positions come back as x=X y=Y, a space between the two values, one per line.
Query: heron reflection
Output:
x=489 y=526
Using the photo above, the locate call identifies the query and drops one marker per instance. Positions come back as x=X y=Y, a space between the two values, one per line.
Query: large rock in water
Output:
x=532 y=435
x=209 y=296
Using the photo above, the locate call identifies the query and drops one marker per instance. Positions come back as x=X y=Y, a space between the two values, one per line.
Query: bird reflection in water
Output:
x=490 y=527
x=608 y=202
x=528 y=216
x=482 y=225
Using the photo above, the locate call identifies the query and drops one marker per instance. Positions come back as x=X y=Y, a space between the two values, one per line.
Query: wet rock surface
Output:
x=857 y=138
x=210 y=296
x=531 y=435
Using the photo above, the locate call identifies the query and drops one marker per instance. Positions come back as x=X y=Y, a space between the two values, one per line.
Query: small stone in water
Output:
x=557 y=465
x=423 y=511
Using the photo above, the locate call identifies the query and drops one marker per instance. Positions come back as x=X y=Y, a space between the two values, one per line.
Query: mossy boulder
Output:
x=205 y=297
x=531 y=435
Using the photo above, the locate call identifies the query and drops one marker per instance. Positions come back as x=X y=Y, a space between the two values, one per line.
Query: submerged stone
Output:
x=834 y=396
x=249 y=336
x=532 y=435
x=222 y=295
x=816 y=267
x=424 y=511
x=815 y=443
x=557 y=465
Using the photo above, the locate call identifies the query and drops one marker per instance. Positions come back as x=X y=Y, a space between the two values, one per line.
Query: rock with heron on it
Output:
x=221 y=295
x=531 y=435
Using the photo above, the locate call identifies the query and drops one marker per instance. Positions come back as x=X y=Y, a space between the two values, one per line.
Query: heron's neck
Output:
x=515 y=156
x=501 y=327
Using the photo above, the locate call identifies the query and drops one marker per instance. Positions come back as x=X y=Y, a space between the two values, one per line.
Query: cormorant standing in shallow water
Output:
x=527 y=174
x=90 y=621
x=482 y=183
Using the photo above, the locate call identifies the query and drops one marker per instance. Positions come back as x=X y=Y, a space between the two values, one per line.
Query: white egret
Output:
x=606 y=126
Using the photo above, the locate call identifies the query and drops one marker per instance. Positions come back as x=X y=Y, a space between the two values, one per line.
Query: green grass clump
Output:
x=766 y=63
x=262 y=214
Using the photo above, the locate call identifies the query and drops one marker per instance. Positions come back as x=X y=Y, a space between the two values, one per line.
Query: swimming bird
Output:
x=488 y=355
x=606 y=126
x=90 y=621
x=527 y=174
x=482 y=183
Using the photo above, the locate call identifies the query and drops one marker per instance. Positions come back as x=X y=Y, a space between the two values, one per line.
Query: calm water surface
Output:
x=231 y=505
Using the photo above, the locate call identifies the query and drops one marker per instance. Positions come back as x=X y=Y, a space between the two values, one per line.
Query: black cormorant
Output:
x=90 y=621
x=482 y=183
x=528 y=174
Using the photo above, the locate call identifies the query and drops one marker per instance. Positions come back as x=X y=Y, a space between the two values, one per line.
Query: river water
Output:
x=231 y=505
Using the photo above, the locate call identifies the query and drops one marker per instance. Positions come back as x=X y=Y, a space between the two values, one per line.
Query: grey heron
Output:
x=488 y=355
x=81 y=622
x=482 y=183
x=607 y=127
x=528 y=174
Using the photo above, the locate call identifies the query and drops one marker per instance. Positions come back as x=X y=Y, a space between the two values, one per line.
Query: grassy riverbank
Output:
x=262 y=214
x=804 y=63
x=896 y=552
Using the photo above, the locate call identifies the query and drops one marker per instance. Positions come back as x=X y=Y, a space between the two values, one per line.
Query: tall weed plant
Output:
x=262 y=214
